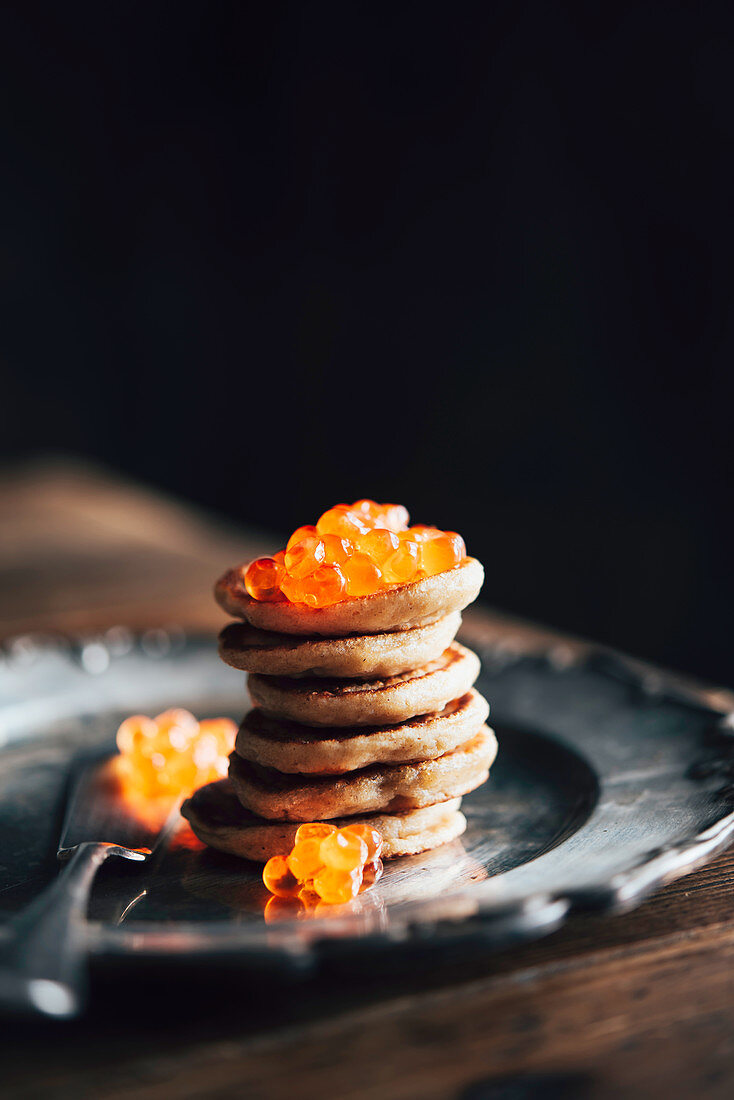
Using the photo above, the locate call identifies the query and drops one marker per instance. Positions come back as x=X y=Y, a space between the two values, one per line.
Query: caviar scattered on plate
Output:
x=332 y=864
x=174 y=752
x=353 y=550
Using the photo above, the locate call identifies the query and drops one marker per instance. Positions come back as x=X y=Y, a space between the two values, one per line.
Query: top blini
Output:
x=360 y=569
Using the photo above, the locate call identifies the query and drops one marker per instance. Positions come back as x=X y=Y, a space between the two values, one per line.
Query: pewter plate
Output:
x=610 y=780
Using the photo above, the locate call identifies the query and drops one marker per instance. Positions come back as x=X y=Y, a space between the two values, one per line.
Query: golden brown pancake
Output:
x=292 y=747
x=381 y=787
x=399 y=608
x=219 y=820
x=324 y=702
x=363 y=656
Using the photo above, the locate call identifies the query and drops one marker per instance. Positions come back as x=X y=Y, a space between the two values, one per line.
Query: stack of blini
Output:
x=364 y=710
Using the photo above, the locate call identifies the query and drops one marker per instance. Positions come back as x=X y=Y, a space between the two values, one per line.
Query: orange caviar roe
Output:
x=326 y=863
x=173 y=753
x=353 y=550
x=279 y=879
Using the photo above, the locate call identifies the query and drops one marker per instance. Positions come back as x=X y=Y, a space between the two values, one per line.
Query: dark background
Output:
x=472 y=257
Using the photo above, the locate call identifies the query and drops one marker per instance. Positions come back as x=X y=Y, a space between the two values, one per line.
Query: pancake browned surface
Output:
x=398 y=608
x=381 y=787
x=292 y=747
x=368 y=702
x=219 y=820
x=364 y=656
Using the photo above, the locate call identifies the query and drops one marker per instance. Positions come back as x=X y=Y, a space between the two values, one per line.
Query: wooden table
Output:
x=630 y=1005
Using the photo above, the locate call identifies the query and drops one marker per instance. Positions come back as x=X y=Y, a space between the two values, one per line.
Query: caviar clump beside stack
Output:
x=332 y=863
x=173 y=753
x=353 y=550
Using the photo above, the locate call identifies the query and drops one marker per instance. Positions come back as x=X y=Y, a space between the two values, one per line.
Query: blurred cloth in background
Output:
x=477 y=260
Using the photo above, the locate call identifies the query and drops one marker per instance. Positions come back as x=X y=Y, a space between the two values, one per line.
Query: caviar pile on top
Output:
x=174 y=753
x=353 y=550
x=333 y=864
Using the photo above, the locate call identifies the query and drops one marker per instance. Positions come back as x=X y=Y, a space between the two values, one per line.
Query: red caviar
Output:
x=279 y=878
x=354 y=550
x=173 y=753
x=326 y=863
